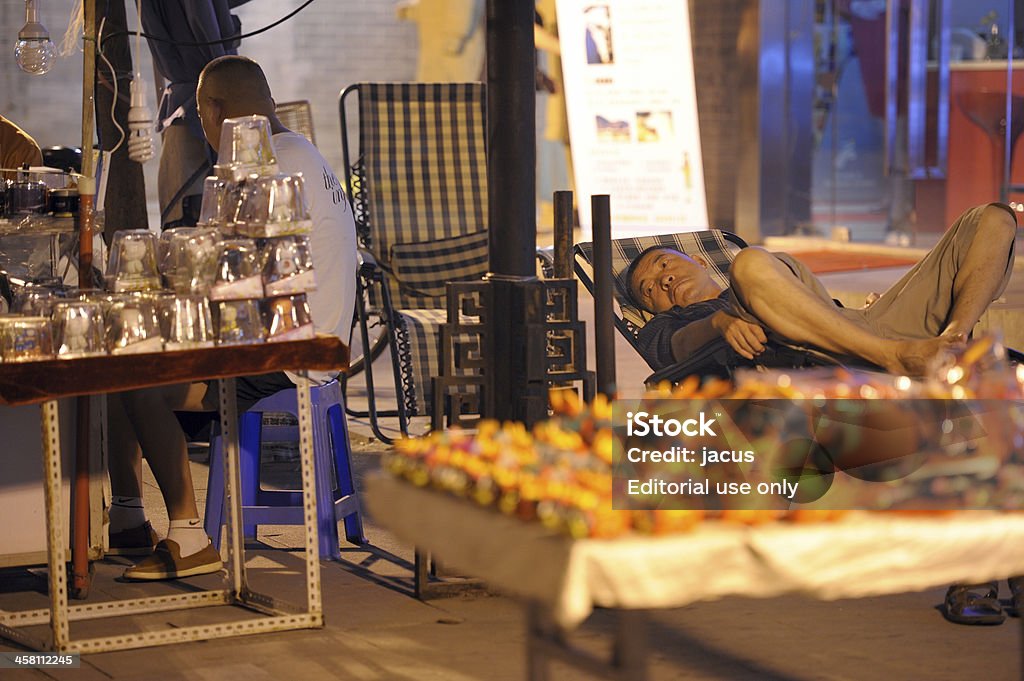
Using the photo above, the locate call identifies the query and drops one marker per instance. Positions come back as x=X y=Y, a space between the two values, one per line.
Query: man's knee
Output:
x=750 y=265
x=148 y=401
x=996 y=222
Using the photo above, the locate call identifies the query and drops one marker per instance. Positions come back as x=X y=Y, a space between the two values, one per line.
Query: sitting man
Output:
x=143 y=421
x=933 y=307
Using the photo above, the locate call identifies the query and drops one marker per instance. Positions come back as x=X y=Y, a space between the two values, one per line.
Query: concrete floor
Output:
x=376 y=630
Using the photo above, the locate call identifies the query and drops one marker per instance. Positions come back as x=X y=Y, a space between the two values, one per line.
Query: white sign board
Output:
x=632 y=106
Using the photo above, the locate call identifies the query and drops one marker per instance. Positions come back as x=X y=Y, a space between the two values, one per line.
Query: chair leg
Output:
x=249 y=445
x=346 y=484
x=389 y=311
x=327 y=524
x=213 y=514
x=364 y=333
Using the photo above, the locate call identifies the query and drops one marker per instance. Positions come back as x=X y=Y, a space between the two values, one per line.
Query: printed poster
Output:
x=632 y=107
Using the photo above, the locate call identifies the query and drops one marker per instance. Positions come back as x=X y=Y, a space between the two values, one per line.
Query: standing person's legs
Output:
x=948 y=291
x=130 y=531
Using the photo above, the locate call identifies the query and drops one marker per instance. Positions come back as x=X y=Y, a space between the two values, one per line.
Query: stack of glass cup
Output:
x=263 y=267
x=239 y=277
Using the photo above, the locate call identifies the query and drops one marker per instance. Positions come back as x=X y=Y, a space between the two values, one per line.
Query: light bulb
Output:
x=140 y=124
x=34 y=51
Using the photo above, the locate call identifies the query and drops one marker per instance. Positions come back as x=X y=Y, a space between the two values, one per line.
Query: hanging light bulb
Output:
x=140 y=124
x=34 y=50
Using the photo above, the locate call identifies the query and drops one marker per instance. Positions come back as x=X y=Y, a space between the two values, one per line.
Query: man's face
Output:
x=665 y=278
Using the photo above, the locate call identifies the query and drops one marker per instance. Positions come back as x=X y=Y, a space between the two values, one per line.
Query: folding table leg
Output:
x=233 y=486
x=55 y=544
x=314 y=604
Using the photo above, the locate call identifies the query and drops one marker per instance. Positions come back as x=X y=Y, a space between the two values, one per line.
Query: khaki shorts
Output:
x=918 y=305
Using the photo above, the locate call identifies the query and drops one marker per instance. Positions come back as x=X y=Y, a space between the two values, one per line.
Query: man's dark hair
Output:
x=628 y=276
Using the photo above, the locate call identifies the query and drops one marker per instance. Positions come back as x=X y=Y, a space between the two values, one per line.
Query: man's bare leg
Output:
x=783 y=304
x=151 y=413
x=981 y=273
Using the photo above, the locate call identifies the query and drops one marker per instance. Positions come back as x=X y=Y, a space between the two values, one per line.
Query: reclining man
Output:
x=143 y=421
x=933 y=307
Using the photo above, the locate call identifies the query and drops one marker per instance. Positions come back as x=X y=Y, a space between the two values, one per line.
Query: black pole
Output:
x=604 y=327
x=563 y=235
x=512 y=137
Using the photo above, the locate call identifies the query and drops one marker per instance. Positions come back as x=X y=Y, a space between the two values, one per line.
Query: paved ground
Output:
x=376 y=630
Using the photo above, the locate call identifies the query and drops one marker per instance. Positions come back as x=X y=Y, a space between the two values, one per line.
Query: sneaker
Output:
x=167 y=563
x=135 y=541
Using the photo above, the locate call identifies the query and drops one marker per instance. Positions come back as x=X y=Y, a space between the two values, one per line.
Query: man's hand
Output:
x=745 y=338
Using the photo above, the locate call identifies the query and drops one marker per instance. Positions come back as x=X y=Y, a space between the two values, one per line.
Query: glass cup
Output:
x=133 y=258
x=26 y=339
x=273 y=206
x=220 y=203
x=26 y=197
x=133 y=326
x=288 y=318
x=287 y=266
x=239 y=322
x=238 y=273
x=78 y=329
x=172 y=256
x=35 y=300
x=189 y=322
x=246 y=148
x=200 y=269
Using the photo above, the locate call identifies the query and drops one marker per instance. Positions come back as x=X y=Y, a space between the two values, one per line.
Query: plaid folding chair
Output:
x=419 y=192
x=716 y=247
x=297 y=116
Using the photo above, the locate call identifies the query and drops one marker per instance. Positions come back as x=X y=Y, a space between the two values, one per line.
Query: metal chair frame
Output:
x=378 y=284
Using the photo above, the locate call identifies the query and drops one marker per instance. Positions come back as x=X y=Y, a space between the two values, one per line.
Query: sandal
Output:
x=974 y=604
x=1016 y=596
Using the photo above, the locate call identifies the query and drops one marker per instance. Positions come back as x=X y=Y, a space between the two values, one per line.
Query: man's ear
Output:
x=700 y=261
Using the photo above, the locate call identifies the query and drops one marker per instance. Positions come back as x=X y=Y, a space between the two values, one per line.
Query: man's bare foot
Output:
x=914 y=357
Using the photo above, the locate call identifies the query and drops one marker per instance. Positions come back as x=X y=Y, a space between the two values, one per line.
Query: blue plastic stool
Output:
x=269 y=507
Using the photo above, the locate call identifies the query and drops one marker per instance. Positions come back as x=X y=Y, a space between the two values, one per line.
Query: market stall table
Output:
x=46 y=381
x=563 y=580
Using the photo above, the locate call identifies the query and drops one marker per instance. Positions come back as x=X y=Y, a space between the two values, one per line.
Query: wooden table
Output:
x=563 y=580
x=46 y=382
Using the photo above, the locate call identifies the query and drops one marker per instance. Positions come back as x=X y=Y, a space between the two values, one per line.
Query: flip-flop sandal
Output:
x=1016 y=596
x=974 y=604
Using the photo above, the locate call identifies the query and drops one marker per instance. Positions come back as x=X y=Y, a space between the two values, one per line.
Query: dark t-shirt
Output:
x=655 y=338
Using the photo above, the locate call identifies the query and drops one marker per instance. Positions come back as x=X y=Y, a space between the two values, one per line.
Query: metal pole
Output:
x=517 y=334
x=563 y=235
x=512 y=137
x=80 y=580
x=604 y=327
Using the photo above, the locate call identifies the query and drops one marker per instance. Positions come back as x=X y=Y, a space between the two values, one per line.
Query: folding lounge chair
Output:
x=717 y=248
x=419 y=195
x=297 y=116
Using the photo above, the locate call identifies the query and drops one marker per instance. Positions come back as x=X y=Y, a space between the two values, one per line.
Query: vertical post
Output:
x=563 y=235
x=80 y=513
x=515 y=370
x=511 y=137
x=604 y=327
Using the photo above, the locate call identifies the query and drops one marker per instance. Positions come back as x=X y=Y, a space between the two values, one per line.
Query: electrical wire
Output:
x=229 y=39
x=113 y=77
